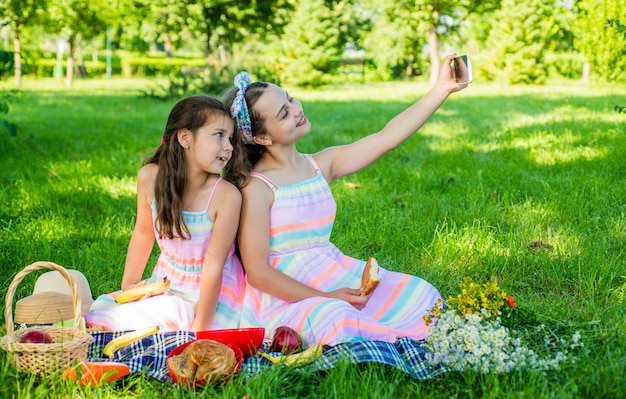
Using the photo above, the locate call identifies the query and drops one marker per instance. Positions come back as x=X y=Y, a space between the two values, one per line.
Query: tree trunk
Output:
x=17 y=57
x=207 y=69
x=586 y=72
x=58 y=71
x=206 y=12
x=433 y=44
x=223 y=55
x=408 y=72
x=167 y=45
x=70 y=63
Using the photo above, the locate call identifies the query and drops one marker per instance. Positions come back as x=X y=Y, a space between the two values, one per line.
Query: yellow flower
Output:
x=475 y=297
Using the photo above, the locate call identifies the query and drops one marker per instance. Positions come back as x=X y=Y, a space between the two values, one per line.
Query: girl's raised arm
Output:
x=342 y=160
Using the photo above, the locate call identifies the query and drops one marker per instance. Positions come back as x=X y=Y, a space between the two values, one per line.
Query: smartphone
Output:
x=463 y=69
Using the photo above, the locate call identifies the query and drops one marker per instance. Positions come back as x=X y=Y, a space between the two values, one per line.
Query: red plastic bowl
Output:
x=200 y=383
x=249 y=340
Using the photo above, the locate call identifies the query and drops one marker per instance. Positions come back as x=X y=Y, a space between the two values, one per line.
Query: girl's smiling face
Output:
x=284 y=117
x=212 y=145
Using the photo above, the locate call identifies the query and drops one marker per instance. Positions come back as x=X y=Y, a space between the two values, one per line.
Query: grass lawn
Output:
x=521 y=185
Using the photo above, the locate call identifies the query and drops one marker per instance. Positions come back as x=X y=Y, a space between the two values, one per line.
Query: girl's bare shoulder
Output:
x=227 y=189
x=148 y=172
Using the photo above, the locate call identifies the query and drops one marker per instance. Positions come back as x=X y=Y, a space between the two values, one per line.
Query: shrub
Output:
x=6 y=63
x=190 y=81
x=519 y=42
x=566 y=65
x=6 y=98
x=152 y=66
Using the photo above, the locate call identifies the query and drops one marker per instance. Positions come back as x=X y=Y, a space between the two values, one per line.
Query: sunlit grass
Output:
x=90 y=86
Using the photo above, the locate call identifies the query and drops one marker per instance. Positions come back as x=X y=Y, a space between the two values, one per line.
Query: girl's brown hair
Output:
x=237 y=172
x=189 y=113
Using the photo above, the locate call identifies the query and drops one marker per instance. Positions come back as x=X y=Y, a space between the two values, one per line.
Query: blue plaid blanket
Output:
x=148 y=355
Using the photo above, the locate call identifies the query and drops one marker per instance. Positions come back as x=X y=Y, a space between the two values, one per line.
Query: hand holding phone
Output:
x=462 y=69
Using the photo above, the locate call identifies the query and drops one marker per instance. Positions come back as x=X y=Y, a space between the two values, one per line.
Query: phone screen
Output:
x=463 y=69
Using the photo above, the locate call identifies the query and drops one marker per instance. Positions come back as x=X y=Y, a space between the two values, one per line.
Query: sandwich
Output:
x=370 y=278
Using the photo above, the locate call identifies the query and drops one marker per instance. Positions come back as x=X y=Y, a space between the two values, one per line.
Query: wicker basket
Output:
x=70 y=344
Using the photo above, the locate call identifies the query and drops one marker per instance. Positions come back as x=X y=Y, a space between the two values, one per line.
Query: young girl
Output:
x=295 y=276
x=193 y=214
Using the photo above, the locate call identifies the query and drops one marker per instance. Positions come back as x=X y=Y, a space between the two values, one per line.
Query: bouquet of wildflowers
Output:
x=469 y=333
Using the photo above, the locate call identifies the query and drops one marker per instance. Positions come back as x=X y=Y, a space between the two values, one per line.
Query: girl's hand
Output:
x=350 y=295
x=447 y=78
x=129 y=286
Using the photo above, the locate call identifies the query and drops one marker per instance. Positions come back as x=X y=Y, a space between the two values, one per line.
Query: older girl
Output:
x=295 y=275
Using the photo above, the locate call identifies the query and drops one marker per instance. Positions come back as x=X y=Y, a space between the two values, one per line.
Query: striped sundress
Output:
x=301 y=221
x=181 y=261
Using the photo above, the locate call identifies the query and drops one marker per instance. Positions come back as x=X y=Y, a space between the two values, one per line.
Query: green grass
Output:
x=495 y=170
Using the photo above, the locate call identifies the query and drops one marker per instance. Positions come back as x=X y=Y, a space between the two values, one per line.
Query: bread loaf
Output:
x=203 y=361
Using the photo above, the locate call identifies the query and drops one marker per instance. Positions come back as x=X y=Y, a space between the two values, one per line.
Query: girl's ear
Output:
x=262 y=140
x=184 y=138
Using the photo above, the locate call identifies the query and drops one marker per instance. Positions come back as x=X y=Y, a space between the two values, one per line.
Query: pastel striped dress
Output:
x=181 y=261
x=302 y=217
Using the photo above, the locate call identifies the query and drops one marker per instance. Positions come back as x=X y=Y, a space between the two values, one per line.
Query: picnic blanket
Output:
x=148 y=355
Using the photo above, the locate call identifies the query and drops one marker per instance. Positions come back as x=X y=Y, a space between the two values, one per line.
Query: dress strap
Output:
x=313 y=162
x=273 y=186
x=213 y=192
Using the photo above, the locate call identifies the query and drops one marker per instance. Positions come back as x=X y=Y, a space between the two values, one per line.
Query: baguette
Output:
x=370 y=278
x=140 y=292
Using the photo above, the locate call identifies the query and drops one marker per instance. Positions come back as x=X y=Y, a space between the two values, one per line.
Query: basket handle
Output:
x=8 y=310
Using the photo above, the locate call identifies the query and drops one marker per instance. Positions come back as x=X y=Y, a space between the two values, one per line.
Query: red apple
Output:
x=37 y=337
x=286 y=340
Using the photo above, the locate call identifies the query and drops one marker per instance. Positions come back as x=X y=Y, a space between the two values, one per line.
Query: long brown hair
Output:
x=237 y=172
x=189 y=113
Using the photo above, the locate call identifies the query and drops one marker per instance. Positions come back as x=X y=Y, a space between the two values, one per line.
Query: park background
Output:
x=310 y=42
x=518 y=179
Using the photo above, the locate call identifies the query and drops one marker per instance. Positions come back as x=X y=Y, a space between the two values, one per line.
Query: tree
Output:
x=17 y=14
x=605 y=48
x=225 y=22
x=447 y=17
x=519 y=39
x=397 y=37
x=130 y=21
x=408 y=25
x=75 y=20
x=311 y=44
